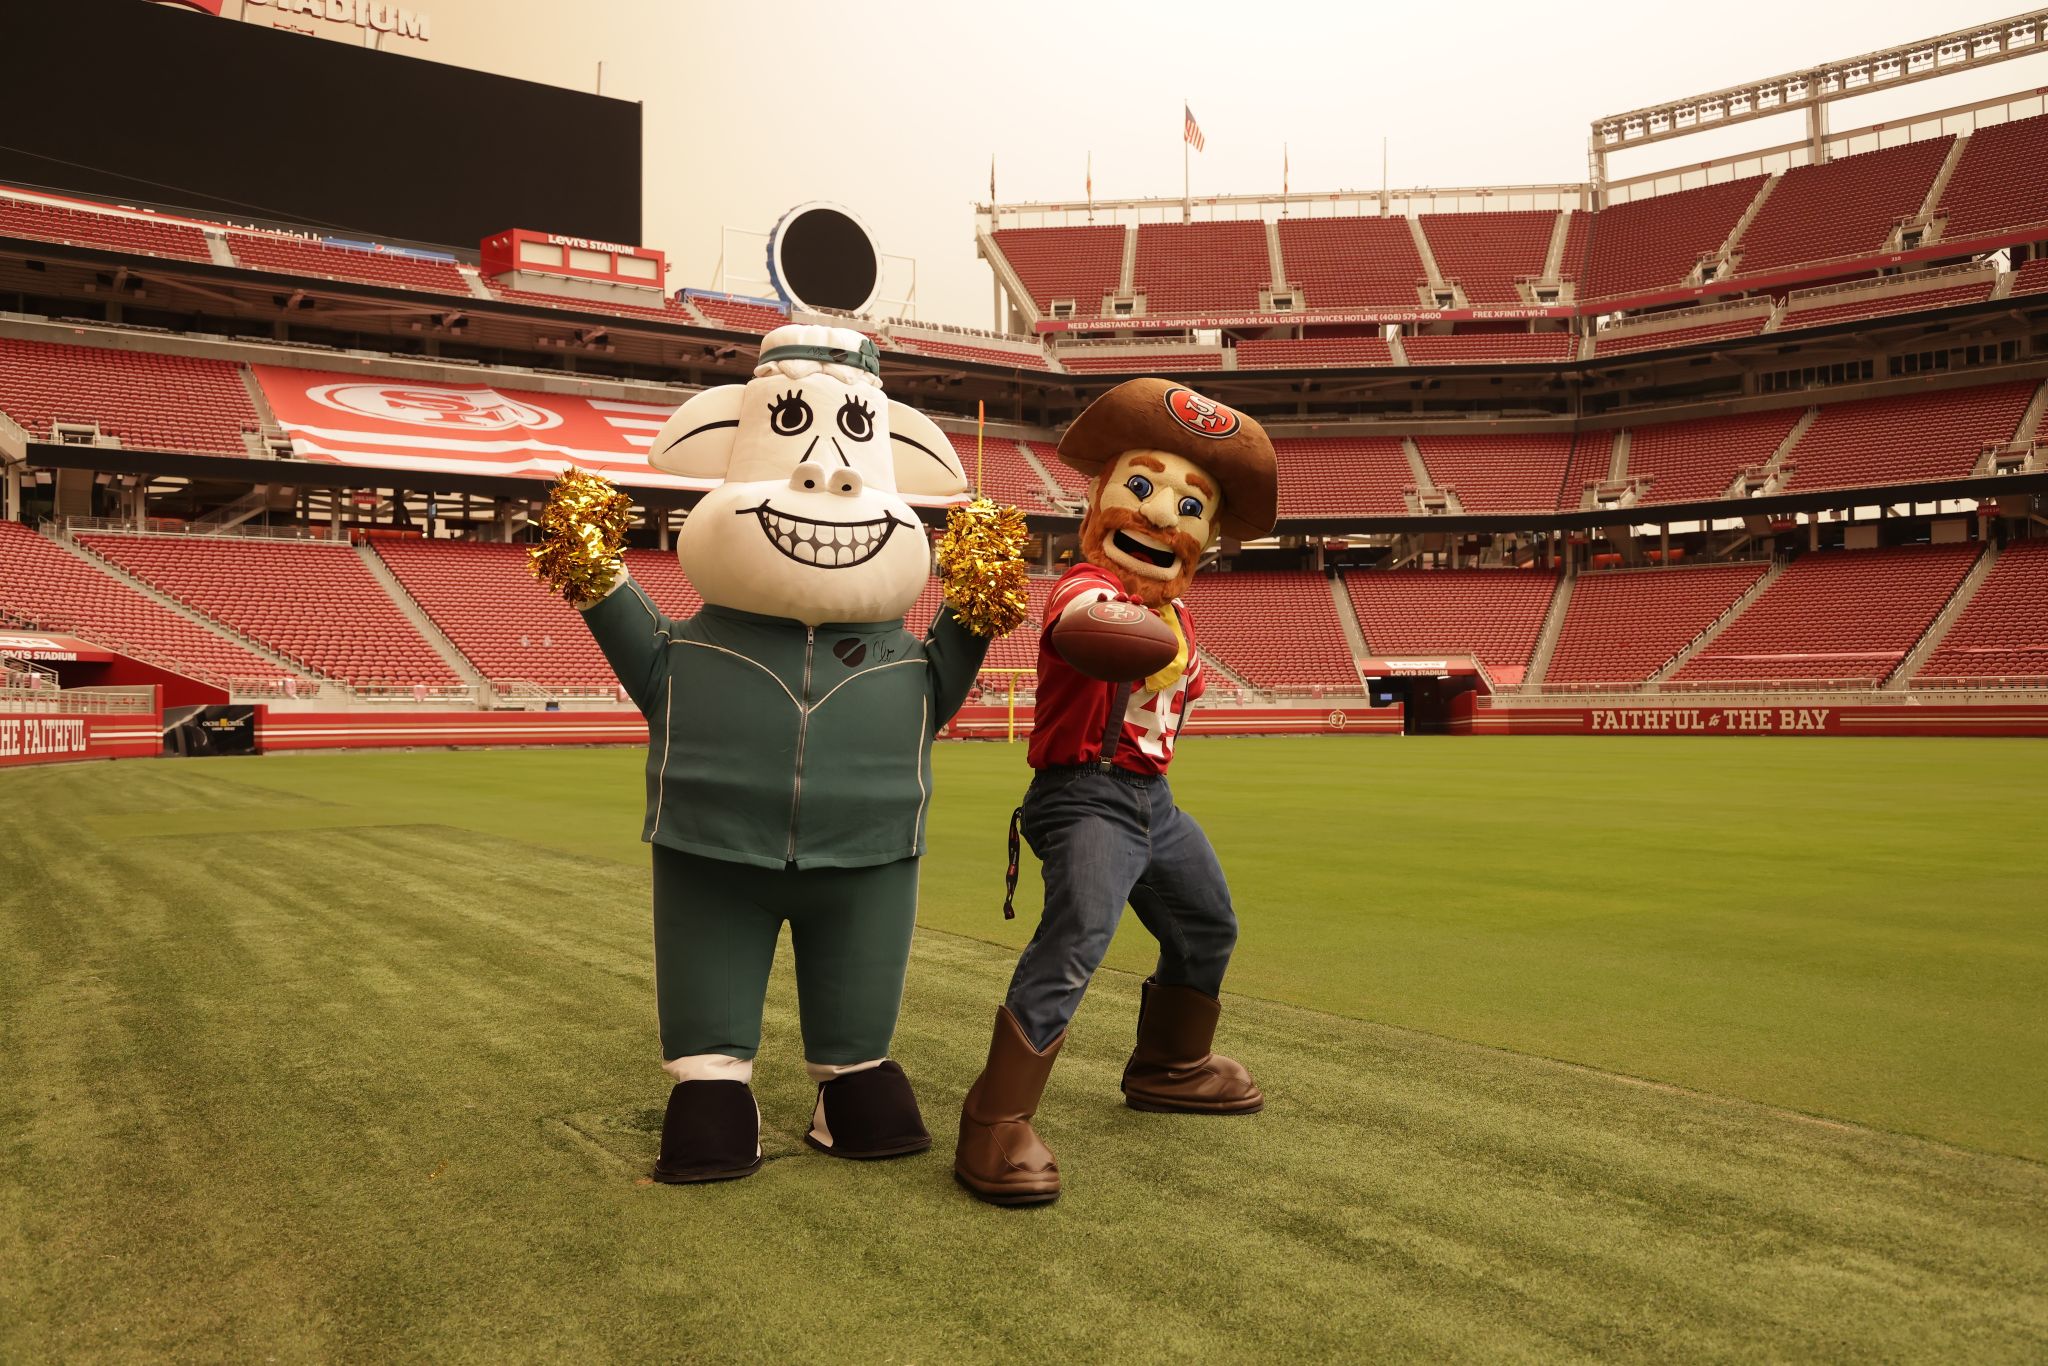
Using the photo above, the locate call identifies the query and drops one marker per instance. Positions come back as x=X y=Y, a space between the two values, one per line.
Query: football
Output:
x=1117 y=642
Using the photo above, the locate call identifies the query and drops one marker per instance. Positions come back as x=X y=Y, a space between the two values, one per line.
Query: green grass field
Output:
x=1575 y=1049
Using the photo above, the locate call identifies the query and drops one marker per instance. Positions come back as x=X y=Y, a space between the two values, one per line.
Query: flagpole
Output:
x=1187 y=200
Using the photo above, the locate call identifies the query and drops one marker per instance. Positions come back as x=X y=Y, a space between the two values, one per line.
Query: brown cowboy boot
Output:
x=999 y=1157
x=1172 y=1068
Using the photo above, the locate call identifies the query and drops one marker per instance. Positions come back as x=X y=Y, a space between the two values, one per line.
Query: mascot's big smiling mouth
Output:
x=828 y=545
x=1140 y=550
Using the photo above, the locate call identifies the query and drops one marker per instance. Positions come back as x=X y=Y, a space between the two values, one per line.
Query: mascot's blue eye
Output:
x=1190 y=507
x=1139 y=485
x=856 y=419
x=789 y=415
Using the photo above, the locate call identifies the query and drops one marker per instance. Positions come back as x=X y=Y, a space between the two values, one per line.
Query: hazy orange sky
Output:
x=895 y=108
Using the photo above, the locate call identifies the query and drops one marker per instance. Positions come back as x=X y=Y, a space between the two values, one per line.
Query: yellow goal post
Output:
x=1008 y=680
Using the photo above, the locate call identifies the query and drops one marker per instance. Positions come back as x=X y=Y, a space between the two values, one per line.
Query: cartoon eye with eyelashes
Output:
x=856 y=419
x=1139 y=485
x=1190 y=507
x=789 y=415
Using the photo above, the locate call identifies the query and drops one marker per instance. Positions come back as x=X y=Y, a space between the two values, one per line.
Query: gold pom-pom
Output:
x=583 y=528
x=981 y=559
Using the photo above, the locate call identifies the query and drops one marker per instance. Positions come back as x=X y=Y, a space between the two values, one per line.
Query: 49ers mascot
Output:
x=1170 y=471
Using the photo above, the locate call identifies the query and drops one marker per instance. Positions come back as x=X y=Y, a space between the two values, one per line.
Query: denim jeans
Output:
x=1104 y=839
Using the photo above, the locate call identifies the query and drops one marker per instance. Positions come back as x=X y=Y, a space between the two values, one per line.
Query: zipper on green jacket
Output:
x=803 y=727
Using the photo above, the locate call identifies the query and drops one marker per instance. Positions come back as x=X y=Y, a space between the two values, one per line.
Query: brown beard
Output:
x=1102 y=523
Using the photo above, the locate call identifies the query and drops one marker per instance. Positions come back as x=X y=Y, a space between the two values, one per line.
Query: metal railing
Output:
x=416 y=692
x=169 y=526
x=80 y=701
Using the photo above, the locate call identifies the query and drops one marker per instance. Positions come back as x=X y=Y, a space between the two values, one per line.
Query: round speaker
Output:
x=821 y=255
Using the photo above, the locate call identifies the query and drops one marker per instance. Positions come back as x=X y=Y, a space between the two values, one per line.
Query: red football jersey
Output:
x=1072 y=712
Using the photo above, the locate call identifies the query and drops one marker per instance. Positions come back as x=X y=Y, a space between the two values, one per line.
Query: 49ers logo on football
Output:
x=429 y=405
x=1117 y=613
x=1202 y=416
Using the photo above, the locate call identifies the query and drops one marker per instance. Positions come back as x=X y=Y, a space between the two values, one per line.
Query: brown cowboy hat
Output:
x=1161 y=415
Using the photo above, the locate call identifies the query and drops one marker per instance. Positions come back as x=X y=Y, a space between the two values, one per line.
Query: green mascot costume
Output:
x=790 y=730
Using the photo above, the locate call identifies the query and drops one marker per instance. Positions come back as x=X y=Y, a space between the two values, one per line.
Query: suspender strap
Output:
x=1010 y=878
x=1113 y=733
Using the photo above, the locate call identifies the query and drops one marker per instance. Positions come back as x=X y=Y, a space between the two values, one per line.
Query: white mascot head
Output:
x=810 y=523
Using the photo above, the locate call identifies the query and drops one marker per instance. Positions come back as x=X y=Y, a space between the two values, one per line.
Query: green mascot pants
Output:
x=715 y=927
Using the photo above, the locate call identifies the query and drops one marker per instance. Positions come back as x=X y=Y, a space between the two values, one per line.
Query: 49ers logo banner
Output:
x=450 y=428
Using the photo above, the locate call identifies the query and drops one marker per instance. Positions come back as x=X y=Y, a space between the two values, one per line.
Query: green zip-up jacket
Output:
x=777 y=744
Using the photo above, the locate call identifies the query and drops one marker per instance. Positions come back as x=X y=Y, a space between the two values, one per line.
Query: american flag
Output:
x=1191 y=132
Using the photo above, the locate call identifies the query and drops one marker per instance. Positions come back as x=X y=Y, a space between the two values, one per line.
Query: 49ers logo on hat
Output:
x=1202 y=416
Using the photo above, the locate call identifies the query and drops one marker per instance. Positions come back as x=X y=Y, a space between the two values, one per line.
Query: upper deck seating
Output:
x=1202 y=269
x=1997 y=184
x=1486 y=253
x=147 y=400
x=303 y=257
x=1351 y=263
x=1082 y=263
x=1304 y=352
x=84 y=227
x=1490 y=348
x=1840 y=209
x=1652 y=244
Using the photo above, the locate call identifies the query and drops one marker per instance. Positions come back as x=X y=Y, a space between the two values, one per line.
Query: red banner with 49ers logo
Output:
x=442 y=427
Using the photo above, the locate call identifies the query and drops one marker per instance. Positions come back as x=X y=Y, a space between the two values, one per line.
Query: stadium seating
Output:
x=1620 y=341
x=1276 y=630
x=1651 y=244
x=1348 y=263
x=147 y=400
x=1006 y=476
x=1997 y=183
x=54 y=223
x=1144 y=362
x=1302 y=352
x=1079 y=263
x=302 y=256
x=1621 y=626
x=511 y=629
x=1501 y=473
x=1486 y=253
x=1348 y=476
x=981 y=355
x=1821 y=307
x=45 y=586
x=1017 y=650
x=1070 y=483
x=1840 y=209
x=1490 y=348
x=1571 y=262
x=1907 y=438
x=669 y=310
x=1202 y=268
x=741 y=315
x=1592 y=458
x=1845 y=616
x=1698 y=460
x=313 y=602
x=2003 y=633
x=2031 y=278
x=1495 y=615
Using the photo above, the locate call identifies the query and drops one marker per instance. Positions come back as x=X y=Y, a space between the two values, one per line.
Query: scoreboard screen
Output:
x=119 y=100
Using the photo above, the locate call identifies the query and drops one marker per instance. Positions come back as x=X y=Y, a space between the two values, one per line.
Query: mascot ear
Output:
x=925 y=462
x=696 y=441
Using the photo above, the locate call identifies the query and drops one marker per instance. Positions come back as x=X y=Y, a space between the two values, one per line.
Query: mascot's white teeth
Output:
x=832 y=545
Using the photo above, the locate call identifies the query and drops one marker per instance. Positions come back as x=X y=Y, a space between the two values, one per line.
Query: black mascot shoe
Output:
x=712 y=1132
x=868 y=1114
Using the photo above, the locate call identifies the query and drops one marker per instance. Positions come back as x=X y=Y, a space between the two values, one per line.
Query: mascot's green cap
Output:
x=867 y=358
